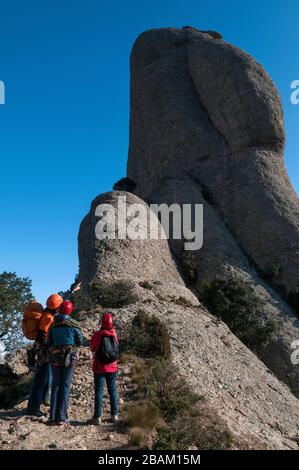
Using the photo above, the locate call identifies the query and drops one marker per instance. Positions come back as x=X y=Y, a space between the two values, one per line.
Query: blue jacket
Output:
x=61 y=334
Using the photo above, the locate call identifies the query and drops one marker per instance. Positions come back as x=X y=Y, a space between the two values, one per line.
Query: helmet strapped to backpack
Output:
x=31 y=318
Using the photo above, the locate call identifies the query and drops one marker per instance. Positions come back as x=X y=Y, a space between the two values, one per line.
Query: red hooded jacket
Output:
x=98 y=367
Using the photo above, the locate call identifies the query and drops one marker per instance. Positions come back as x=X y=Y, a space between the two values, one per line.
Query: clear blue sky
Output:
x=64 y=127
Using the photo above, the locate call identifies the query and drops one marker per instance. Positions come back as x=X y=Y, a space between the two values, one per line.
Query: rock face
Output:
x=222 y=255
x=126 y=266
x=259 y=411
x=205 y=110
x=99 y=259
x=116 y=272
x=15 y=379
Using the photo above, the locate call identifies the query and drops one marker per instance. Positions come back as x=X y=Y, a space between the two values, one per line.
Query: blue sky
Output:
x=64 y=127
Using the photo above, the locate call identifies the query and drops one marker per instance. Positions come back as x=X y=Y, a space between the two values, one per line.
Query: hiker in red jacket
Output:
x=104 y=345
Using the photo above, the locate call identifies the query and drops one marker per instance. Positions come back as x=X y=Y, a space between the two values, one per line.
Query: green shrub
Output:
x=165 y=388
x=142 y=413
x=272 y=273
x=163 y=401
x=148 y=337
x=275 y=272
x=189 y=431
x=163 y=413
x=125 y=184
x=214 y=34
x=235 y=302
x=167 y=439
x=15 y=293
x=183 y=301
x=145 y=285
x=137 y=437
x=115 y=294
x=137 y=374
x=189 y=268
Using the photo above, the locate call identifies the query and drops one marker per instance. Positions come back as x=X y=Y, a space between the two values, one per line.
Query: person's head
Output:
x=107 y=321
x=34 y=306
x=54 y=302
x=66 y=308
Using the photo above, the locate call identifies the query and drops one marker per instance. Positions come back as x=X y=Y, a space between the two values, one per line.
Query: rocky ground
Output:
x=18 y=431
x=241 y=395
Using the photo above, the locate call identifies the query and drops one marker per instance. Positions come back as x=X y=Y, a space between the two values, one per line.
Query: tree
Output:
x=15 y=293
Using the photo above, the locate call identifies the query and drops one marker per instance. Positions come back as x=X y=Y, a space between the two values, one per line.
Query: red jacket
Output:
x=98 y=367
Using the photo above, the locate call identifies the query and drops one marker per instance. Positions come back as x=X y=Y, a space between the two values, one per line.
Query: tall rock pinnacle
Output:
x=204 y=111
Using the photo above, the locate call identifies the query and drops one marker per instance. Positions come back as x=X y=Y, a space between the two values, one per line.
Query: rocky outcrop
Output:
x=99 y=259
x=222 y=256
x=258 y=410
x=116 y=271
x=204 y=109
x=15 y=379
x=207 y=128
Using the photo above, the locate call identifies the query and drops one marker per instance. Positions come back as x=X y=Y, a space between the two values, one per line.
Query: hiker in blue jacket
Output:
x=63 y=339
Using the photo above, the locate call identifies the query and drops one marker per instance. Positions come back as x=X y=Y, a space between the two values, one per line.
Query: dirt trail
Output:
x=18 y=431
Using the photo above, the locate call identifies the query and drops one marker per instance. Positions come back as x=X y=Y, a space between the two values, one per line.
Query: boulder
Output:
x=116 y=271
x=15 y=379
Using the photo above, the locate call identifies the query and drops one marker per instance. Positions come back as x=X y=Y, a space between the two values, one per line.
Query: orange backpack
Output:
x=31 y=318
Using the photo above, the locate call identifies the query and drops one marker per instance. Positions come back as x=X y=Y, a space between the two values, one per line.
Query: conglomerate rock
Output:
x=204 y=108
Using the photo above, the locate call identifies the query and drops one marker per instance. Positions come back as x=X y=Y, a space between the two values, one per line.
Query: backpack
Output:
x=31 y=319
x=108 y=350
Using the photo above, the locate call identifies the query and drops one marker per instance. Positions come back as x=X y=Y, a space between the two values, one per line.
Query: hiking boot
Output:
x=95 y=421
x=115 y=419
x=61 y=423
x=47 y=403
x=38 y=413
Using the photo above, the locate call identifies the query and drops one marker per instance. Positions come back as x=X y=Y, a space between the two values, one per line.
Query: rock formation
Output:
x=15 y=379
x=205 y=110
x=122 y=266
x=259 y=411
x=221 y=256
x=207 y=127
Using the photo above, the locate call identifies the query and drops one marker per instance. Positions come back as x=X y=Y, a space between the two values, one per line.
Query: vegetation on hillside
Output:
x=15 y=293
x=235 y=302
x=125 y=184
x=162 y=411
